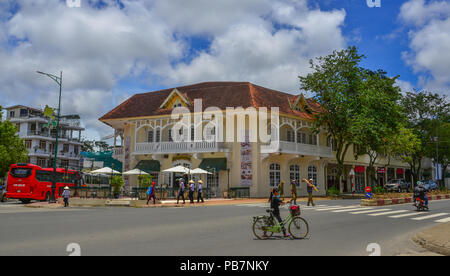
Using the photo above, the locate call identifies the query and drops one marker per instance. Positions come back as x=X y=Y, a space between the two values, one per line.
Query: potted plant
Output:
x=116 y=183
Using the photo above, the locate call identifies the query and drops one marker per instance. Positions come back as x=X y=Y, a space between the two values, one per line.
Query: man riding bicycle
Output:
x=274 y=205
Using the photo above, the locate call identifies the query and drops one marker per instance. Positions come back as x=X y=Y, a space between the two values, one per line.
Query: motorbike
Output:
x=420 y=204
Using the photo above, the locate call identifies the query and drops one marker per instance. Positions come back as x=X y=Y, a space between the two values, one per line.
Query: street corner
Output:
x=435 y=239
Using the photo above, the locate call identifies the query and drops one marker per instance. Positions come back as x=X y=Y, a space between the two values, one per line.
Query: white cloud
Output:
x=265 y=55
x=429 y=43
x=268 y=42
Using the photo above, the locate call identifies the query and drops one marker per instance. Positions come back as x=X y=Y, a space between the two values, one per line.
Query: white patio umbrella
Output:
x=178 y=169
x=105 y=170
x=135 y=172
x=199 y=171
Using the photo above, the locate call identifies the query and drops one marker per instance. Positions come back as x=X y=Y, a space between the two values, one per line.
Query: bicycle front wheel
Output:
x=298 y=228
x=260 y=229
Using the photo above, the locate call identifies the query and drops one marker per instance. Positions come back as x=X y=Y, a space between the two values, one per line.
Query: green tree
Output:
x=336 y=81
x=426 y=114
x=405 y=145
x=379 y=117
x=12 y=148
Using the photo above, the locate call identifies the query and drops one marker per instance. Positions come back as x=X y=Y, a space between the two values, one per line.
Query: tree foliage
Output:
x=428 y=117
x=360 y=106
x=12 y=148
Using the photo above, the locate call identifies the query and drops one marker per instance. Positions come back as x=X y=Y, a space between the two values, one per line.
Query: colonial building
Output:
x=144 y=125
x=40 y=140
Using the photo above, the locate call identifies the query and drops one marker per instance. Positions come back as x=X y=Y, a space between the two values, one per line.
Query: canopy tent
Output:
x=105 y=170
x=135 y=172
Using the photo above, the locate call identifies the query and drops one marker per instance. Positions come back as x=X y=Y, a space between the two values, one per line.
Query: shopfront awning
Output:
x=149 y=166
x=210 y=164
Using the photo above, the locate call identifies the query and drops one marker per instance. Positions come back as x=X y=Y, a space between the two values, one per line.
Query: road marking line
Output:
x=336 y=208
x=407 y=215
x=431 y=216
x=370 y=211
x=349 y=210
x=388 y=213
x=443 y=220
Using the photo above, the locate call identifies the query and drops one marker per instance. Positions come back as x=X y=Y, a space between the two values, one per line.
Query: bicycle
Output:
x=265 y=226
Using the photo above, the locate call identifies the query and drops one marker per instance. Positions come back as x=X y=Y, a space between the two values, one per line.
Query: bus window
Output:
x=20 y=172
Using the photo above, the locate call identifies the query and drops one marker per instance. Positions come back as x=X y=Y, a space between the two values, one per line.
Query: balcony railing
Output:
x=118 y=153
x=46 y=134
x=297 y=148
x=180 y=147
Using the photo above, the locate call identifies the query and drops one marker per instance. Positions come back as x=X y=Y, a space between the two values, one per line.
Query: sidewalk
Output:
x=435 y=239
x=87 y=202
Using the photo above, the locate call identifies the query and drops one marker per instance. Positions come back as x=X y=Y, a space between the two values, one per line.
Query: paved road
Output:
x=338 y=227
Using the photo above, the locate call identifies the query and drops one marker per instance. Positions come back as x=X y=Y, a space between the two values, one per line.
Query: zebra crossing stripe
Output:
x=349 y=210
x=443 y=220
x=388 y=213
x=431 y=216
x=407 y=215
x=336 y=208
x=369 y=211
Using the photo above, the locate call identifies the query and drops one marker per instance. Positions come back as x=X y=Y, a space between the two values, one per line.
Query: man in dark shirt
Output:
x=419 y=192
x=275 y=206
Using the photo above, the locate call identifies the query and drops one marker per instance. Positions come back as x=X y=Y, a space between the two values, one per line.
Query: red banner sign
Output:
x=381 y=170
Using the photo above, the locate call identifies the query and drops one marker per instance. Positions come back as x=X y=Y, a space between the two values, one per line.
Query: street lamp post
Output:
x=58 y=80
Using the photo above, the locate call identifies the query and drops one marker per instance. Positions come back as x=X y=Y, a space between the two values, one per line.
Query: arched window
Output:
x=294 y=173
x=274 y=174
x=312 y=174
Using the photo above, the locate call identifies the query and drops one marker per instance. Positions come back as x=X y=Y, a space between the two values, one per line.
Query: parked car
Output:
x=430 y=185
x=397 y=185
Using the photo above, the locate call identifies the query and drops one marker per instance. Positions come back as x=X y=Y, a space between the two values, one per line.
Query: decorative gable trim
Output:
x=172 y=94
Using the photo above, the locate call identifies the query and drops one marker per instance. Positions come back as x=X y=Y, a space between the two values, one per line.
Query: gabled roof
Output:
x=218 y=94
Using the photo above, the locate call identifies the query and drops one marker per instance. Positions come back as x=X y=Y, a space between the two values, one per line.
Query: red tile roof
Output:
x=219 y=94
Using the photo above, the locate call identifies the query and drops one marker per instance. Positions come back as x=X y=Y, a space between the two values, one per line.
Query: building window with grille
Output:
x=312 y=174
x=41 y=162
x=28 y=144
x=274 y=174
x=150 y=136
x=158 y=135
x=42 y=145
x=294 y=173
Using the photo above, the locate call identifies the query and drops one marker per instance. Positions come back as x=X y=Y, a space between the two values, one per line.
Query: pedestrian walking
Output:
x=191 y=190
x=181 y=191
x=310 y=187
x=151 y=194
x=294 y=191
x=66 y=196
x=200 y=191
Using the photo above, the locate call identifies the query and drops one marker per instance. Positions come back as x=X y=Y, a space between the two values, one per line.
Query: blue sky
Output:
x=112 y=49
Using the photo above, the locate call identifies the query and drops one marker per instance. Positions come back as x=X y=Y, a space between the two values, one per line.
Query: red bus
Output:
x=28 y=182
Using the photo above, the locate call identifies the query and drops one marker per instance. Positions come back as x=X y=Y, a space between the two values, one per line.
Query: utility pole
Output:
x=58 y=80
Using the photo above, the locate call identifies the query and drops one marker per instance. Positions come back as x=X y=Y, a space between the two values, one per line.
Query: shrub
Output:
x=117 y=183
x=378 y=190
x=333 y=191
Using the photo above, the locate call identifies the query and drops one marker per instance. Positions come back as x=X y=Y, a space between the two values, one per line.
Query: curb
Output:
x=394 y=201
x=435 y=239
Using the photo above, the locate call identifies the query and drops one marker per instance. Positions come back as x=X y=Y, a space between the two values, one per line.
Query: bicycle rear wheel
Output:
x=298 y=228
x=259 y=229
